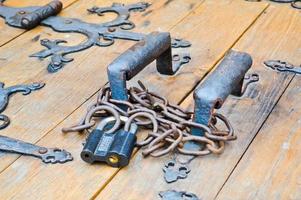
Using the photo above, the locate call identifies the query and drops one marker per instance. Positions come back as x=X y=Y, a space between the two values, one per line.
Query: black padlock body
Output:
x=122 y=147
x=92 y=141
x=97 y=146
x=102 y=150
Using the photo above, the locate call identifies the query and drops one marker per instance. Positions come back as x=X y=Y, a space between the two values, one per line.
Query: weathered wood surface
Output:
x=213 y=27
x=273 y=158
x=247 y=115
x=78 y=81
x=8 y=33
x=78 y=179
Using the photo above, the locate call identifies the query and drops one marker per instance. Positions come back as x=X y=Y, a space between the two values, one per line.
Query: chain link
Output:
x=170 y=124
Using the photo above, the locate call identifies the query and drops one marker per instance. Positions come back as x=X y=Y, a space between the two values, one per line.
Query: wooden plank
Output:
x=265 y=40
x=271 y=167
x=92 y=178
x=77 y=81
x=8 y=33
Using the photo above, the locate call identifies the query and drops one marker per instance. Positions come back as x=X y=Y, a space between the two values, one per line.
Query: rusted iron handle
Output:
x=31 y=20
x=226 y=79
x=155 y=46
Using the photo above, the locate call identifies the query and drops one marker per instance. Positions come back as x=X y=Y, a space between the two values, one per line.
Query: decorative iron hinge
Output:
x=177 y=195
x=47 y=155
x=174 y=171
x=102 y=34
x=282 y=66
x=5 y=94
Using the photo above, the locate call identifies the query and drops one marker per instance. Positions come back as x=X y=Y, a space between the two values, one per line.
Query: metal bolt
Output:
x=176 y=57
x=56 y=63
x=68 y=21
x=111 y=29
x=43 y=150
x=25 y=21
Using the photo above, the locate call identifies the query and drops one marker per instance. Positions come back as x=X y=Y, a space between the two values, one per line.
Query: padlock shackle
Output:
x=104 y=122
x=155 y=46
x=227 y=78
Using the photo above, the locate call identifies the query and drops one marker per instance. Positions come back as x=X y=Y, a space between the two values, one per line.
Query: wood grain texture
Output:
x=76 y=177
x=66 y=90
x=8 y=33
x=271 y=168
x=67 y=79
x=265 y=40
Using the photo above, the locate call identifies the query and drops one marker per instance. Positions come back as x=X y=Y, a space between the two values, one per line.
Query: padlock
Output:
x=113 y=148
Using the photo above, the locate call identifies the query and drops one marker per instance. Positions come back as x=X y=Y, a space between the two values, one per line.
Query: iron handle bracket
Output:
x=155 y=46
x=227 y=78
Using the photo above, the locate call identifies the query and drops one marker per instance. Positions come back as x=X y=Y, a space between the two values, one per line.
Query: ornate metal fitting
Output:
x=248 y=79
x=174 y=171
x=102 y=34
x=47 y=155
x=282 y=66
x=5 y=94
x=177 y=195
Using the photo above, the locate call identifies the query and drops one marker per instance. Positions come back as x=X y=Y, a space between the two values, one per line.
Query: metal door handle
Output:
x=155 y=46
x=226 y=79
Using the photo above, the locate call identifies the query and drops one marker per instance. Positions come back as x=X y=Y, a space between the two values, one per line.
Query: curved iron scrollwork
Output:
x=5 y=94
x=294 y=3
x=102 y=34
x=282 y=66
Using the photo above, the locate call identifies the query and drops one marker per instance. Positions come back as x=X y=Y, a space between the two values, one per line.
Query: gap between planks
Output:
x=93 y=94
x=279 y=165
x=288 y=80
x=263 y=124
x=89 y=94
x=186 y=95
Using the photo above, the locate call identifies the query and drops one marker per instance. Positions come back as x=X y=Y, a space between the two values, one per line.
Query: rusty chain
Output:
x=170 y=124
